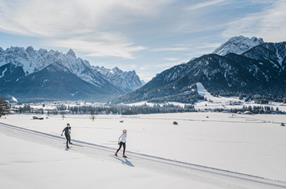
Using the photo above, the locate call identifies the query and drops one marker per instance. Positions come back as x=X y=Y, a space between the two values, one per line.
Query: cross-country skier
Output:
x=122 y=142
x=67 y=131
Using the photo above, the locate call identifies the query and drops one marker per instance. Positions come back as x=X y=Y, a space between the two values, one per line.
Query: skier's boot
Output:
x=116 y=154
x=124 y=156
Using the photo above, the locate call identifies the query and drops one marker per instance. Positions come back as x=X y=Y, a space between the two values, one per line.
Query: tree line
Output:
x=129 y=110
x=111 y=109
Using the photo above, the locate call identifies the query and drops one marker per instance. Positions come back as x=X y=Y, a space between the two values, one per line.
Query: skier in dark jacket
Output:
x=67 y=132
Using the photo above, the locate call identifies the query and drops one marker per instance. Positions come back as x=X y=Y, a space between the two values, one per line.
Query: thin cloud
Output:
x=171 y=59
x=101 y=44
x=204 y=4
x=269 y=24
x=170 y=49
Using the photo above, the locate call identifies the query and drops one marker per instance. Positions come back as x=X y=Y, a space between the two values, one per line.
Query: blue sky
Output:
x=144 y=35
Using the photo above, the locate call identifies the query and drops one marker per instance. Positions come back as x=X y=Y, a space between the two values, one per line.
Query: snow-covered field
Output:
x=32 y=160
x=30 y=165
x=251 y=144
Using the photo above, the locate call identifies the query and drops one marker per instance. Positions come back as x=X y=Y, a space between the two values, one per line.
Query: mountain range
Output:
x=32 y=75
x=240 y=67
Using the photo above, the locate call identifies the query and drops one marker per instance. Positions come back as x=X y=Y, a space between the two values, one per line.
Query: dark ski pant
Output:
x=120 y=146
x=68 y=140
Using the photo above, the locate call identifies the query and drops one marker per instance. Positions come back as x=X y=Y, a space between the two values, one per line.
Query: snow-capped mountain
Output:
x=18 y=65
x=260 y=71
x=126 y=80
x=28 y=59
x=238 y=45
x=35 y=60
x=54 y=82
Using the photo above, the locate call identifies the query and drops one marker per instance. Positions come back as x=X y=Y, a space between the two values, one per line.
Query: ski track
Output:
x=220 y=177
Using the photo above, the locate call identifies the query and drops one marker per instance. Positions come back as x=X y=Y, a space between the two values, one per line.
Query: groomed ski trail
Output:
x=224 y=178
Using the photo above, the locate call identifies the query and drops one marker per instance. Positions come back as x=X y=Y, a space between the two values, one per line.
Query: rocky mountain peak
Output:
x=71 y=53
x=238 y=45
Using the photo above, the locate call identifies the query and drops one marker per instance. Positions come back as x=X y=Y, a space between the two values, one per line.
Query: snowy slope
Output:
x=210 y=98
x=238 y=45
x=41 y=162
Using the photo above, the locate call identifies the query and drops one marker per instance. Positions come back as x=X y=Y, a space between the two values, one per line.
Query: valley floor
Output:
x=249 y=144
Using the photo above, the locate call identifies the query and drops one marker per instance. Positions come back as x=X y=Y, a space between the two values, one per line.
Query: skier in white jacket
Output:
x=122 y=142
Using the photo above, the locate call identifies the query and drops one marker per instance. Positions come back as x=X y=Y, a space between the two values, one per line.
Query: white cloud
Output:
x=204 y=4
x=62 y=23
x=193 y=49
x=100 y=48
x=171 y=59
x=53 y=17
x=170 y=49
x=269 y=24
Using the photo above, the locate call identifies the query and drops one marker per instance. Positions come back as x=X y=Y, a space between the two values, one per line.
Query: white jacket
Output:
x=123 y=138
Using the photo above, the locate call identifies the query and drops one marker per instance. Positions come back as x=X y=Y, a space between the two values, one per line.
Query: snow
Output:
x=3 y=73
x=14 y=99
x=28 y=165
x=53 y=105
x=35 y=160
x=251 y=144
x=141 y=103
x=201 y=90
x=238 y=45
x=279 y=57
x=176 y=104
x=151 y=104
